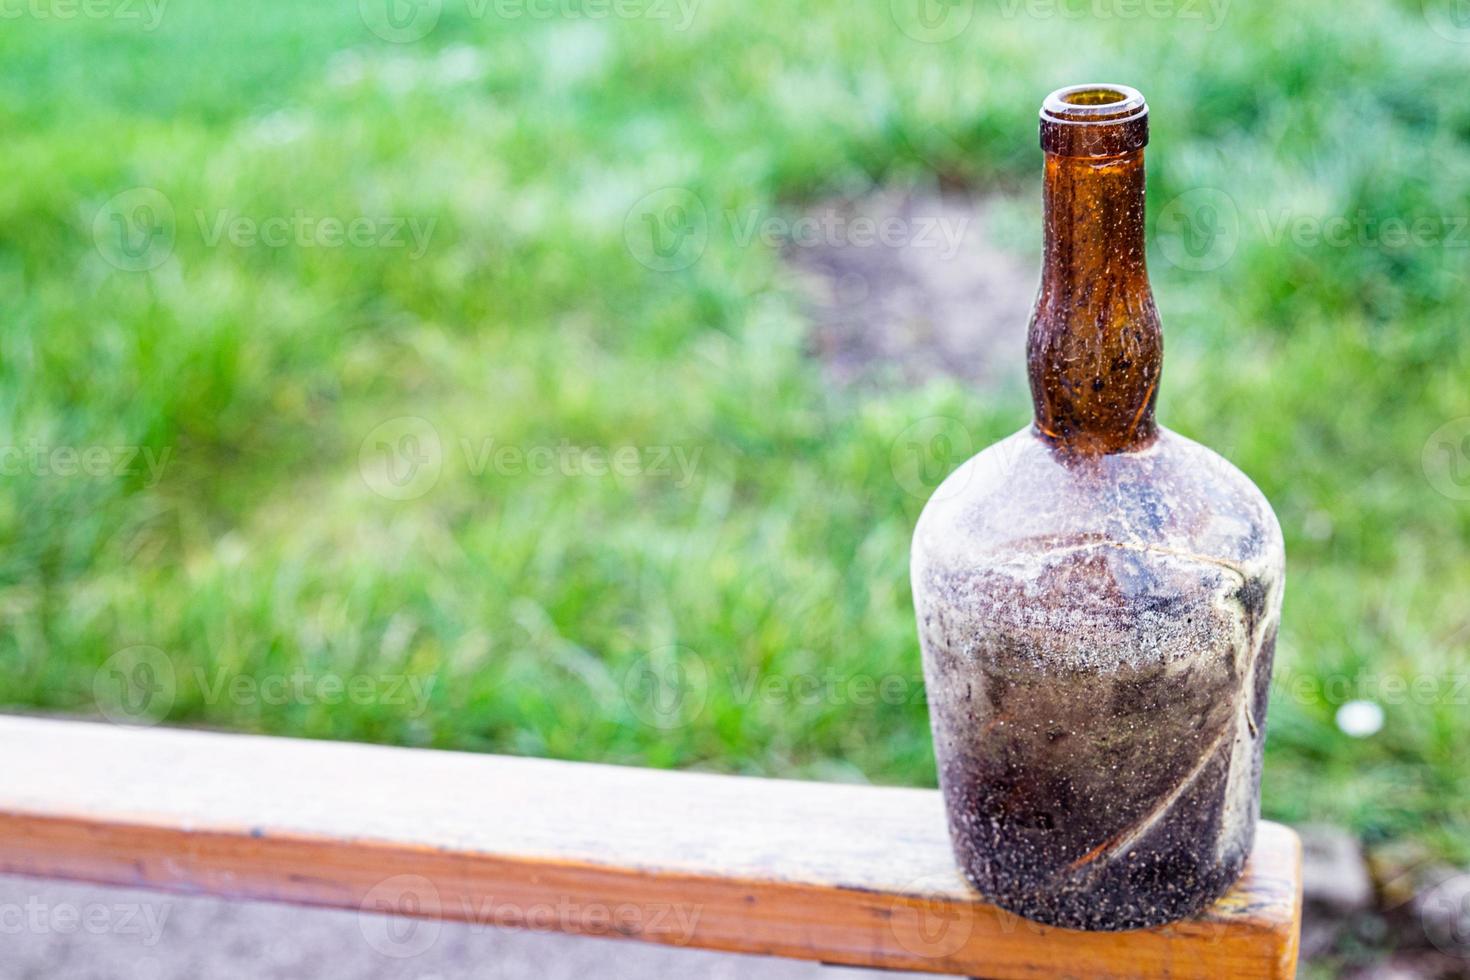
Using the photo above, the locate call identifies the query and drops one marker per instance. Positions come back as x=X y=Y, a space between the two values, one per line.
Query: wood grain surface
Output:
x=846 y=874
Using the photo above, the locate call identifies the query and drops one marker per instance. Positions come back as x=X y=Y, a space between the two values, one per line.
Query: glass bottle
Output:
x=1097 y=596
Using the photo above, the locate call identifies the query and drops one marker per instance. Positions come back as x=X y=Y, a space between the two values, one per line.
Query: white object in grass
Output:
x=1360 y=719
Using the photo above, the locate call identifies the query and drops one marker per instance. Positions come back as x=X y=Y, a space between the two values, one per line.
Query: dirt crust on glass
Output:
x=1097 y=635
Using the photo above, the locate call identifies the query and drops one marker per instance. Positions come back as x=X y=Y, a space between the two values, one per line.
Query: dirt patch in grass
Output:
x=904 y=286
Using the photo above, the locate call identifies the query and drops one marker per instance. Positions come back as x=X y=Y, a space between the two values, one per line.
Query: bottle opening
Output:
x=1094 y=96
x=1094 y=121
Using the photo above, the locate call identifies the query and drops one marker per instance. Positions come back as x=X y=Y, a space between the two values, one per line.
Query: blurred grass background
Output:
x=529 y=145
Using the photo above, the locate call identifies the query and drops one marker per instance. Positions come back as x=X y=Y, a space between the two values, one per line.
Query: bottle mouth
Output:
x=1094 y=121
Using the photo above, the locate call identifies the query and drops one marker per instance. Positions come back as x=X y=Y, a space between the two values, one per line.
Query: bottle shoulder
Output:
x=1123 y=558
x=1019 y=495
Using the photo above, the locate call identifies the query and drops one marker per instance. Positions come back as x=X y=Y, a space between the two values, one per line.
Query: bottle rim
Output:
x=1094 y=120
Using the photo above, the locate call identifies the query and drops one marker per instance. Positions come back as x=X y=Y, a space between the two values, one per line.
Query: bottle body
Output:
x=1097 y=633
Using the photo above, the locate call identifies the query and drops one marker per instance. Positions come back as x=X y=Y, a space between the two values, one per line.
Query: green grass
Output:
x=530 y=604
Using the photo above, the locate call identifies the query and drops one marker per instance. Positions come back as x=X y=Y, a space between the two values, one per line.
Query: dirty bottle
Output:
x=1097 y=596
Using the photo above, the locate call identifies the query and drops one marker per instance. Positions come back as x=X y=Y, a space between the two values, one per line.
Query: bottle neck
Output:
x=1094 y=348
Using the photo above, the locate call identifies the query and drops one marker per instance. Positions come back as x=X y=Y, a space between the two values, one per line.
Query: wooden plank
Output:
x=845 y=874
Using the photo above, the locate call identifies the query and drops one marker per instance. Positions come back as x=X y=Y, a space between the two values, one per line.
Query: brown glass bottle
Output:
x=1098 y=596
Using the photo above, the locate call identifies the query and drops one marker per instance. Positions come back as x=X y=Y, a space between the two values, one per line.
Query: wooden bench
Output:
x=843 y=874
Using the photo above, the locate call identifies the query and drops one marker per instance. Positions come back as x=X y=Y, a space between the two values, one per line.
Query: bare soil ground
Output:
x=929 y=292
